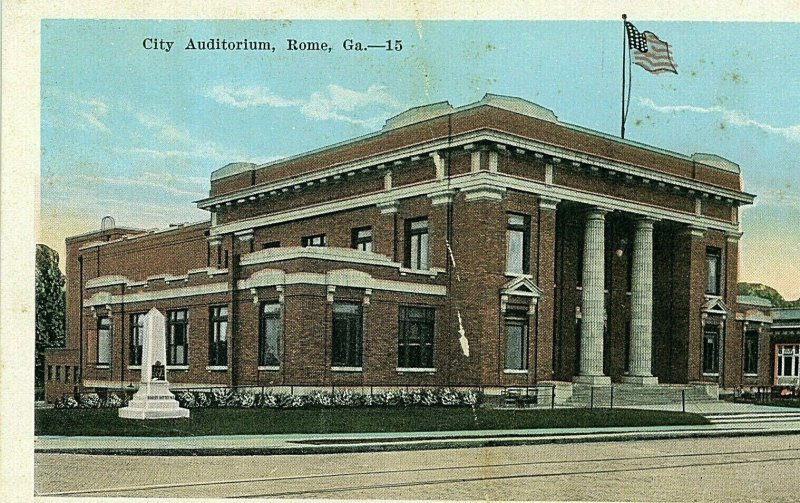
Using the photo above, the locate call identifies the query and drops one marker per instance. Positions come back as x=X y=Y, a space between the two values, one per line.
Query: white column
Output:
x=641 y=342
x=593 y=301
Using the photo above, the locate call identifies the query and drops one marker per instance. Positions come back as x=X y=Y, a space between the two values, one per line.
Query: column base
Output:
x=592 y=380
x=640 y=380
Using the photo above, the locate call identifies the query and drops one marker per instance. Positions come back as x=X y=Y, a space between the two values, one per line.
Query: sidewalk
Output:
x=371 y=442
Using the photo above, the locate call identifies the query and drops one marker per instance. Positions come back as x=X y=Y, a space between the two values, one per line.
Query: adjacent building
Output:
x=563 y=254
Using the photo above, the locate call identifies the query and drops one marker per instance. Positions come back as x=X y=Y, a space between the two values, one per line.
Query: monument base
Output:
x=153 y=400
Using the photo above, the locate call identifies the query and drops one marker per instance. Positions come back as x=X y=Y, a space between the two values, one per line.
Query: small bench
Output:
x=521 y=396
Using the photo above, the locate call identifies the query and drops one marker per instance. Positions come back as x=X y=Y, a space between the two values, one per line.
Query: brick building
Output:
x=576 y=257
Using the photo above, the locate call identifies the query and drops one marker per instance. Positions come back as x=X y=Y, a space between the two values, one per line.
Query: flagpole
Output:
x=624 y=50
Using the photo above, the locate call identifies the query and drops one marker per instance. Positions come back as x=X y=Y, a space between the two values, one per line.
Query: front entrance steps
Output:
x=633 y=395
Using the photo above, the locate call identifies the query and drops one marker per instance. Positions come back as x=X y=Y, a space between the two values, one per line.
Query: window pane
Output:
x=415 y=340
x=516 y=344
x=424 y=261
x=514 y=251
x=269 y=336
x=104 y=341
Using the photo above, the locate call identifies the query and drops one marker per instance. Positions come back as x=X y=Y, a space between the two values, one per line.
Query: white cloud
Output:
x=334 y=103
x=160 y=181
x=70 y=111
x=247 y=96
x=791 y=133
x=172 y=134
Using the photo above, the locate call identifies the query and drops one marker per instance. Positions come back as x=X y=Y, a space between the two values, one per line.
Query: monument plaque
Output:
x=153 y=399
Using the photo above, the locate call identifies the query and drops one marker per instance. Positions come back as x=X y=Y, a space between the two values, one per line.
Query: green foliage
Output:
x=270 y=421
x=767 y=292
x=50 y=306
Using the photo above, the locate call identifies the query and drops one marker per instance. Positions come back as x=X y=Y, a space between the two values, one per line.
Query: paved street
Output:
x=711 y=469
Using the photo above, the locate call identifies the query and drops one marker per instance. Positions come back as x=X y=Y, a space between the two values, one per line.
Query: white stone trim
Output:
x=441 y=197
x=416 y=369
x=483 y=183
x=103 y=298
x=332 y=254
x=515 y=371
x=346 y=278
x=467 y=138
x=110 y=280
x=183 y=368
x=475 y=161
x=216 y=367
x=347 y=369
x=484 y=193
x=269 y=367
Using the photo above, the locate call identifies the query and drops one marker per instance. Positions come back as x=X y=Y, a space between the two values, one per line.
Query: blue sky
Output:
x=135 y=133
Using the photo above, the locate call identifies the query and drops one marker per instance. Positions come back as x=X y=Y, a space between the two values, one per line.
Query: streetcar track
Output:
x=408 y=471
x=501 y=477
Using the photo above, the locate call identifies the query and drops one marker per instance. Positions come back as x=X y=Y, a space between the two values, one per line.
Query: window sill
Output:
x=102 y=366
x=217 y=367
x=177 y=367
x=134 y=367
x=751 y=375
x=269 y=367
x=710 y=374
x=347 y=369
x=416 y=369
x=432 y=272
x=518 y=275
x=515 y=371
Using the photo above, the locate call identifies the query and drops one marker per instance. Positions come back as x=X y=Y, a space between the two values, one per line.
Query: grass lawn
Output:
x=95 y=422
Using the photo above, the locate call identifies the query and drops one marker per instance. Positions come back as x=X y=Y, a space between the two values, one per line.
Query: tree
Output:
x=50 y=306
x=766 y=292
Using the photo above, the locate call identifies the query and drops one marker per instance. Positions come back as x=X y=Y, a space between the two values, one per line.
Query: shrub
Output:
x=113 y=401
x=186 y=399
x=65 y=402
x=202 y=400
x=222 y=397
x=89 y=401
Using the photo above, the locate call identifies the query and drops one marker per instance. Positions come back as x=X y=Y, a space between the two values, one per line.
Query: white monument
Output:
x=153 y=400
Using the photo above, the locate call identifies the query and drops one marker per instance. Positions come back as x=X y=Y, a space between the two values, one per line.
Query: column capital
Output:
x=644 y=222
x=548 y=203
x=597 y=213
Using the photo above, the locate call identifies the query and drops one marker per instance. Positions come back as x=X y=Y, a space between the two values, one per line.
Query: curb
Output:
x=410 y=445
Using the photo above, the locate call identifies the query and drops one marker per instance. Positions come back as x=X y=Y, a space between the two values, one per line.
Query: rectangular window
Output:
x=518 y=244
x=58 y=372
x=76 y=375
x=788 y=360
x=67 y=374
x=104 y=340
x=271 y=244
x=751 y=352
x=362 y=239
x=137 y=331
x=49 y=372
x=316 y=240
x=415 y=340
x=516 y=341
x=177 y=337
x=347 y=335
x=417 y=244
x=269 y=335
x=714 y=265
x=218 y=336
x=711 y=349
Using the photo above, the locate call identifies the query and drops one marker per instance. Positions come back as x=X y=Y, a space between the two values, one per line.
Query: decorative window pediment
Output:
x=519 y=287
x=714 y=305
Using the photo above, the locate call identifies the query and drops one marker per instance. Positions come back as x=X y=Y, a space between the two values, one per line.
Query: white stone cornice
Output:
x=245 y=235
x=496 y=182
x=486 y=193
x=103 y=298
x=345 y=278
x=470 y=138
x=697 y=231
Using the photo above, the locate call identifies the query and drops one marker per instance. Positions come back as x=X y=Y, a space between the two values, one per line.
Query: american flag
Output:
x=649 y=51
